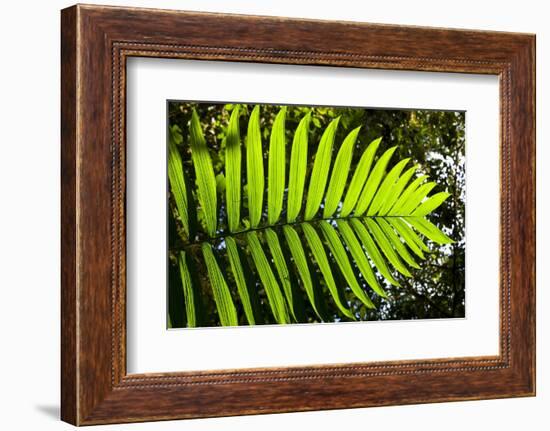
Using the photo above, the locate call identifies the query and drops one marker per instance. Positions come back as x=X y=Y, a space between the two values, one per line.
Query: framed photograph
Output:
x=265 y=215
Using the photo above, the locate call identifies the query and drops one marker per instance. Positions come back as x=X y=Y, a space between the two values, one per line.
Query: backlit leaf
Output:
x=383 y=233
x=373 y=182
x=340 y=173
x=359 y=177
x=297 y=171
x=318 y=251
x=430 y=204
x=361 y=258
x=383 y=193
x=243 y=287
x=319 y=174
x=416 y=198
x=396 y=190
x=429 y=230
x=222 y=295
x=339 y=253
x=300 y=260
x=204 y=171
x=255 y=168
x=276 y=168
x=274 y=295
x=409 y=235
x=188 y=292
x=403 y=199
x=233 y=170
x=176 y=177
x=281 y=267
x=374 y=252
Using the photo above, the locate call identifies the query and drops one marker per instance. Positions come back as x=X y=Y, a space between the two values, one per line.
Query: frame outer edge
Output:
x=528 y=61
x=89 y=394
x=532 y=82
x=523 y=216
x=69 y=196
x=533 y=56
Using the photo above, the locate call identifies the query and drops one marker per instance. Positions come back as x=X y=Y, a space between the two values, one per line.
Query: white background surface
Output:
x=151 y=348
x=29 y=228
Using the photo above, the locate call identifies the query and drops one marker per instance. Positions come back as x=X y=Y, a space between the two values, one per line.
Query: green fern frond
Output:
x=364 y=230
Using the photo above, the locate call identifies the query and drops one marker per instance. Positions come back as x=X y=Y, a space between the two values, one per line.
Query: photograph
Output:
x=289 y=214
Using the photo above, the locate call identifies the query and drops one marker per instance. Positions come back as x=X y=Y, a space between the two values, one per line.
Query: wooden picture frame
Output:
x=95 y=43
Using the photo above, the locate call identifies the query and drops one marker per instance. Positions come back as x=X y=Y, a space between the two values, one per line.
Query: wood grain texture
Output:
x=96 y=41
x=69 y=398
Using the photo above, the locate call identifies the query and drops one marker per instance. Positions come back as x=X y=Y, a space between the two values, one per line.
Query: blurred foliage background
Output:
x=435 y=140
